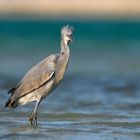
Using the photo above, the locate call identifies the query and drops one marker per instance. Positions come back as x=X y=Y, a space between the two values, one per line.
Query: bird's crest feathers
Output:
x=67 y=30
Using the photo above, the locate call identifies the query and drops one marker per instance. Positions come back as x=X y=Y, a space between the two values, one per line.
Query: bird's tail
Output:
x=11 y=103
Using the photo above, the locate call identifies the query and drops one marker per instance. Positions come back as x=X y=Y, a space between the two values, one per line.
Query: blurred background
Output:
x=100 y=95
x=107 y=35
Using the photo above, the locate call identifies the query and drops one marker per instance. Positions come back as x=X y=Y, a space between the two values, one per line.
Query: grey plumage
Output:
x=43 y=78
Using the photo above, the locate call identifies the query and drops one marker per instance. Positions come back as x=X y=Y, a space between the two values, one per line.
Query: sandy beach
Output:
x=73 y=7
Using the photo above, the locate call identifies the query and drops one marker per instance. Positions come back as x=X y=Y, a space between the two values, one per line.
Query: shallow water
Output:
x=100 y=96
x=96 y=108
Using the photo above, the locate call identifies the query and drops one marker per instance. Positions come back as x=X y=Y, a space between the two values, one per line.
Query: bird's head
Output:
x=67 y=34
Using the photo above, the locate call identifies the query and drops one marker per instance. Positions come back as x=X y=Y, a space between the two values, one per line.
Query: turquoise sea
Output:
x=99 y=98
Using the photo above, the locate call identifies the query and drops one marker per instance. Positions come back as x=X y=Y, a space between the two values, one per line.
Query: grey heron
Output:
x=43 y=78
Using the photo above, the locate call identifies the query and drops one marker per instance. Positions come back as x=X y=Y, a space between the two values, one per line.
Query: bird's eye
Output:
x=69 y=36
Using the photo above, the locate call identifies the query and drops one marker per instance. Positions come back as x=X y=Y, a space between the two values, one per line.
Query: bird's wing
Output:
x=37 y=76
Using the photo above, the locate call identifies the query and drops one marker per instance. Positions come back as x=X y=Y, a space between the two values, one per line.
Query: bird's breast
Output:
x=59 y=76
x=60 y=69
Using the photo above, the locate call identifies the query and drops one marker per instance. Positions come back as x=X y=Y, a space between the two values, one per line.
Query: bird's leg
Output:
x=33 y=116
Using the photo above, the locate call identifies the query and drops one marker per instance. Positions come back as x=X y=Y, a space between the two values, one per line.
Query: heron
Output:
x=43 y=78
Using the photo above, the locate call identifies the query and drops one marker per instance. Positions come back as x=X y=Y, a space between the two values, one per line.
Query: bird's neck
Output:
x=62 y=62
x=64 y=47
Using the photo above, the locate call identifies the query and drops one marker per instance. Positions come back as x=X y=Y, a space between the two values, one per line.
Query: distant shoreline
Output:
x=67 y=17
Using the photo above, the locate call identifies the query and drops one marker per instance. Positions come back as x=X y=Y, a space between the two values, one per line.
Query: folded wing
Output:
x=37 y=76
